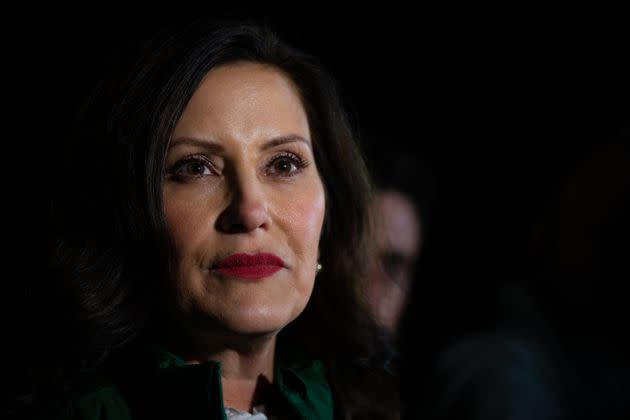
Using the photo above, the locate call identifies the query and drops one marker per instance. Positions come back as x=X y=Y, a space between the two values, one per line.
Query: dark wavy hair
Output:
x=112 y=246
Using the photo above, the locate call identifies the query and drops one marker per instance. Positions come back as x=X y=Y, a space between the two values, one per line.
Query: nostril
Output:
x=242 y=220
x=245 y=217
x=233 y=228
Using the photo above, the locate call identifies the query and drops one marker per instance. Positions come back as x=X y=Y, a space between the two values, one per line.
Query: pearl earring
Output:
x=319 y=267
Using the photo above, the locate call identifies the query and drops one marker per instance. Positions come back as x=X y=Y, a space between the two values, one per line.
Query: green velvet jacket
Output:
x=164 y=386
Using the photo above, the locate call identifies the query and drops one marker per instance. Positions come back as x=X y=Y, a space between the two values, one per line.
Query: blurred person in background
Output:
x=401 y=211
x=557 y=348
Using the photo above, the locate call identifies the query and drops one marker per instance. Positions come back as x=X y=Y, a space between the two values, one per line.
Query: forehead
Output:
x=238 y=86
x=251 y=98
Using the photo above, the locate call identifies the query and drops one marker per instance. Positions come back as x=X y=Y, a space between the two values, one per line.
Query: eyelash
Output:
x=296 y=160
x=199 y=159
x=299 y=162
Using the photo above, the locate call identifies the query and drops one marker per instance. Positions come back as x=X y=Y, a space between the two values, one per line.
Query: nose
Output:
x=247 y=209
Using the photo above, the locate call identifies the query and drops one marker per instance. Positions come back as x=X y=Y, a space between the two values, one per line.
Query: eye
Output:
x=192 y=167
x=286 y=164
x=395 y=266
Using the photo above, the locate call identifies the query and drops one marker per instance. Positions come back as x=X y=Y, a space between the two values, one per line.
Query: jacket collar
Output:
x=302 y=384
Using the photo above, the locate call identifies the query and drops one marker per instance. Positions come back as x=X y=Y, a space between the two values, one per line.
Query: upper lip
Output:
x=249 y=260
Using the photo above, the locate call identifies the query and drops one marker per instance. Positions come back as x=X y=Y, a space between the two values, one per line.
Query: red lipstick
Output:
x=250 y=267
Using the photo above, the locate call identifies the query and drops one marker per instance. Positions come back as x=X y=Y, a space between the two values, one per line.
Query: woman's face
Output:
x=397 y=244
x=244 y=202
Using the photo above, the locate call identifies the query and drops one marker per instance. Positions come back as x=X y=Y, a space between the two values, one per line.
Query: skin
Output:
x=397 y=240
x=241 y=178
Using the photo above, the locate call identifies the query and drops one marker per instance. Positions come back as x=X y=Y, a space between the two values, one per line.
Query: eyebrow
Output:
x=277 y=141
x=192 y=141
x=213 y=146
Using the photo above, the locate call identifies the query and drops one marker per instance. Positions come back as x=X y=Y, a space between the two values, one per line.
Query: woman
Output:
x=402 y=206
x=212 y=236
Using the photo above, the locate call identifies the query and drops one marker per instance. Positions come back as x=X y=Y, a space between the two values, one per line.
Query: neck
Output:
x=247 y=364
x=246 y=373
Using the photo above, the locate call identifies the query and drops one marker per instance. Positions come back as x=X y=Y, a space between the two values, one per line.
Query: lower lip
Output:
x=250 y=272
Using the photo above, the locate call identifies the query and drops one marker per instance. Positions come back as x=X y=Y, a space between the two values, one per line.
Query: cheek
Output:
x=184 y=221
x=305 y=219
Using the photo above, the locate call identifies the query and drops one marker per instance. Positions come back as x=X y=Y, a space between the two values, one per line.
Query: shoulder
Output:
x=498 y=374
x=99 y=400
x=305 y=385
x=102 y=401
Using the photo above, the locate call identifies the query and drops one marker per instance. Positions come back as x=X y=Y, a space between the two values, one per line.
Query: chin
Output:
x=259 y=322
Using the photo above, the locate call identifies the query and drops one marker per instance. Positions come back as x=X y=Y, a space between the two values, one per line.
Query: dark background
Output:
x=501 y=100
